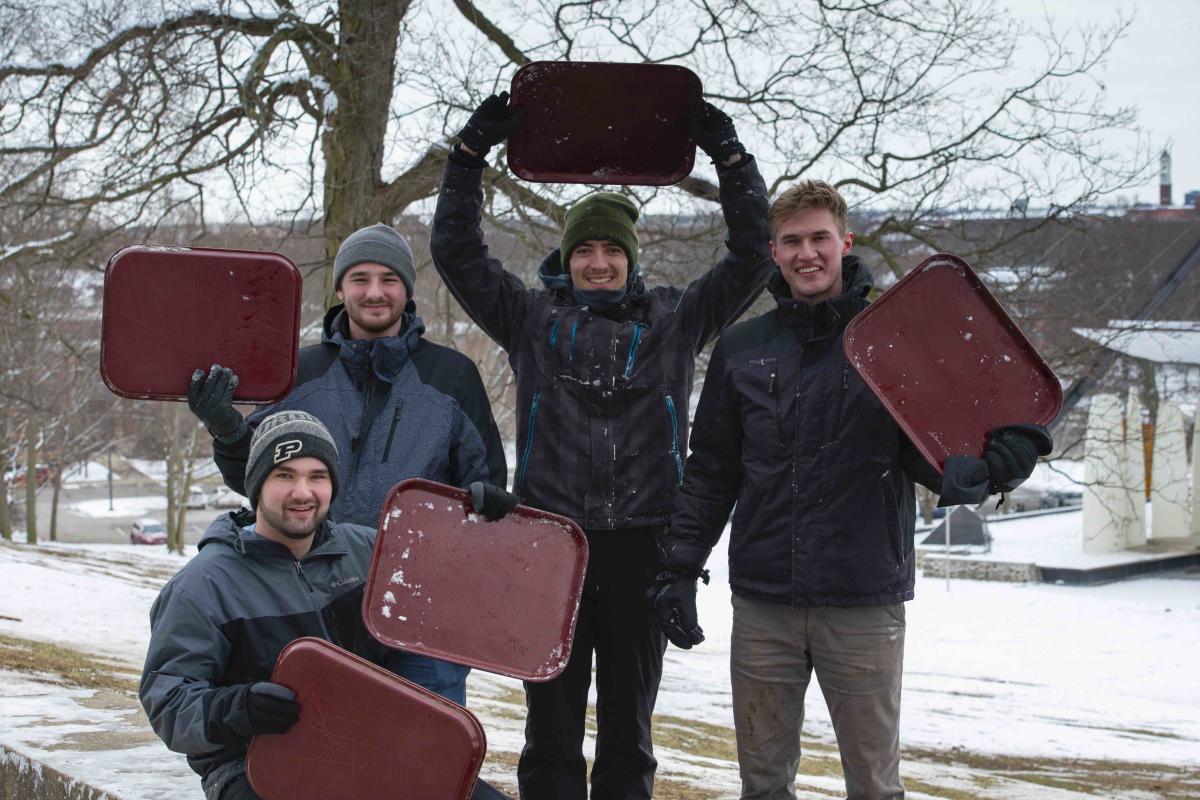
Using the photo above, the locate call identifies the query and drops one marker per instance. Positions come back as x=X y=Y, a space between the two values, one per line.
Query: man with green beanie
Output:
x=604 y=369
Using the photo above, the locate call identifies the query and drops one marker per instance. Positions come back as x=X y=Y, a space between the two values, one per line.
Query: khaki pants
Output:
x=858 y=656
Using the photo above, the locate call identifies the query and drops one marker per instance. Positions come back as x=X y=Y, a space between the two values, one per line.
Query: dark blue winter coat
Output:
x=602 y=399
x=398 y=407
x=821 y=475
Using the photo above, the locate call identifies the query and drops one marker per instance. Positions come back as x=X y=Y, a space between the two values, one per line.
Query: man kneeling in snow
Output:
x=219 y=624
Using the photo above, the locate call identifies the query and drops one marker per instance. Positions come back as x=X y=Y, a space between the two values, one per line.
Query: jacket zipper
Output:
x=533 y=407
x=329 y=637
x=633 y=346
x=387 y=448
x=773 y=388
x=675 y=440
x=368 y=391
x=571 y=349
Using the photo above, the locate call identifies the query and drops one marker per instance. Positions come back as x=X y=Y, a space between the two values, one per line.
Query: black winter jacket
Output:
x=397 y=407
x=602 y=399
x=821 y=475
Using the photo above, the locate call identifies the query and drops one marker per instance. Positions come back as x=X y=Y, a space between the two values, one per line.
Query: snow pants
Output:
x=858 y=656
x=617 y=623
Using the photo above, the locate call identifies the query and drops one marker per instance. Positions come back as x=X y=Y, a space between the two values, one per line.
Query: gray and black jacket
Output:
x=602 y=399
x=220 y=622
x=821 y=475
x=397 y=407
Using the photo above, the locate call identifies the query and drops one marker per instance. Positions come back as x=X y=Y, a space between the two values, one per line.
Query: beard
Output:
x=293 y=529
x=373 y=324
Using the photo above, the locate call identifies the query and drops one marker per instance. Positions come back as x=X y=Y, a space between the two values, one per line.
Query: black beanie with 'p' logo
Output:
x=282 y=437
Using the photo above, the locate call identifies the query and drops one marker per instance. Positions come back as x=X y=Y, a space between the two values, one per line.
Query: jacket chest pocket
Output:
x=769 y=413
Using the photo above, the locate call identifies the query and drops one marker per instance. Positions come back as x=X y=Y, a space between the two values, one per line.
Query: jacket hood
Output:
x=555 y=278
x=387 y=356
x=827 y=316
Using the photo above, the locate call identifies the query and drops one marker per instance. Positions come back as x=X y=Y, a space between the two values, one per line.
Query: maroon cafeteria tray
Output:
x=590 y=122
x=363 y=732
x=170 y=310
x=947 y=361
x=446 y=583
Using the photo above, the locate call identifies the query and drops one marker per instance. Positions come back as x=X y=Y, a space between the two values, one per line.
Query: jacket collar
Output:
x=811 y=321
x=227 y=530
x=385 y=356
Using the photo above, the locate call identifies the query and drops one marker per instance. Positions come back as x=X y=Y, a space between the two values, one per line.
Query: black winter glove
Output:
x=240 y=712
x=1012 y=453
x=210 y=397
x=713 y=131
x=674 y=598
x=490 y=124
x=492 y=501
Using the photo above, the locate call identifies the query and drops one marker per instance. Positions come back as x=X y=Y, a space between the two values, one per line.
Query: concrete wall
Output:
x=24 y=779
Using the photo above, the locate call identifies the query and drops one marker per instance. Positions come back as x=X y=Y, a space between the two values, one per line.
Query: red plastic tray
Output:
x=947 y=361
x=363 y=732
x=501 y=596
x=589 y=122
x=170 y=310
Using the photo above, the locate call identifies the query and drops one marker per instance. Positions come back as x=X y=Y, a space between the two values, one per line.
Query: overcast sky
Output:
x=1156 y=67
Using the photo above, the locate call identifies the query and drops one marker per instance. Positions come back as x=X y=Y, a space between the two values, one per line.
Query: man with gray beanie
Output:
x=219 y=624
x=396 y=405
x=604 y=368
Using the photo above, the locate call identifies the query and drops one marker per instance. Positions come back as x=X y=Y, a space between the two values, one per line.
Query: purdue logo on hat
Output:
x=285 y=450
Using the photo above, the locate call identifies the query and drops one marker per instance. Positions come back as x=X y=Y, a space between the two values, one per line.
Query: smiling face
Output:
x=808 y=247
x=599 y=264
x=375 y=298
x=294 y=501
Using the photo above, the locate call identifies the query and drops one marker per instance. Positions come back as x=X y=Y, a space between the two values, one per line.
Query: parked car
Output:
x=43 y=473
x=224 y=497
x=148 y=531
x=197 y=498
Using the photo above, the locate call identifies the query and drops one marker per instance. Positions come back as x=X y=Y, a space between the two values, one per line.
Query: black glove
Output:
x=210 y=397
x=490 y=124
x=492 y=501
x=713 y=131
x=239 y=712
x=674 y=598
x=1012 y=453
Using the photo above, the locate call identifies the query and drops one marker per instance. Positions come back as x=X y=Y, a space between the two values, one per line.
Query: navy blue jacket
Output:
x=602 y=399
x=398 y=407
x=821 y=475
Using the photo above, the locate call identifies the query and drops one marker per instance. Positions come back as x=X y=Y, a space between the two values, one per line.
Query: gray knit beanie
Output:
x=376 y=244
x=282 y=437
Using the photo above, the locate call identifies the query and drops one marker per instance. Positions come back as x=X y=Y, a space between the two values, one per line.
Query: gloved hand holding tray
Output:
x=502 y=596
x=948 y=363
x=363 y=732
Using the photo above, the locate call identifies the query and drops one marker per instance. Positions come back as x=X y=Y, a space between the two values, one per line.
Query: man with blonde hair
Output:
x=821 y=549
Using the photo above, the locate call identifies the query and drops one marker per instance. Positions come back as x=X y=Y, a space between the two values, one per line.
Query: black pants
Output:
x=617 y=623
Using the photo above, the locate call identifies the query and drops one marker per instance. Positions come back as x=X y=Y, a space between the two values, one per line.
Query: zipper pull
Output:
x=354 y=445
x=771 y=388
x=845 y=376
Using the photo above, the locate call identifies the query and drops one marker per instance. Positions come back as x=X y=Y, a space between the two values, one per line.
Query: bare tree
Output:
x=339 y=112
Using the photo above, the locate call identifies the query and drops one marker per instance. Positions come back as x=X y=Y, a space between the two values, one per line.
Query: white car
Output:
x=197 y=498
x=224 y=497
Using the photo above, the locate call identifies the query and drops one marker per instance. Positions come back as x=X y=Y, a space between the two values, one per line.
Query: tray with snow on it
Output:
x=501 y=596
x=947 y=362
x=363 y=732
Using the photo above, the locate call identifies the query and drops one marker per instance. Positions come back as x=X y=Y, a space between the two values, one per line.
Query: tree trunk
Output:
x=925 y=502
x=6 y=525
x=31 y=532
x=353 y=138
x=57 y=479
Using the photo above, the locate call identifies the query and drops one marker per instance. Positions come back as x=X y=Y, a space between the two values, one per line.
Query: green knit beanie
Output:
x=606 y=216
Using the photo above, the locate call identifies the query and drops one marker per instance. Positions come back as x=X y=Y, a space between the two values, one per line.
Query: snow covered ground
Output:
x=1049 y=672
x=121 y=506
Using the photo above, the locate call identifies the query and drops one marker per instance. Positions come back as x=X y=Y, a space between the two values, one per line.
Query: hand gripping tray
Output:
x=502 y=596
x=363 y=733
x=947 y=362
x=170 y=310
x=590 y=122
